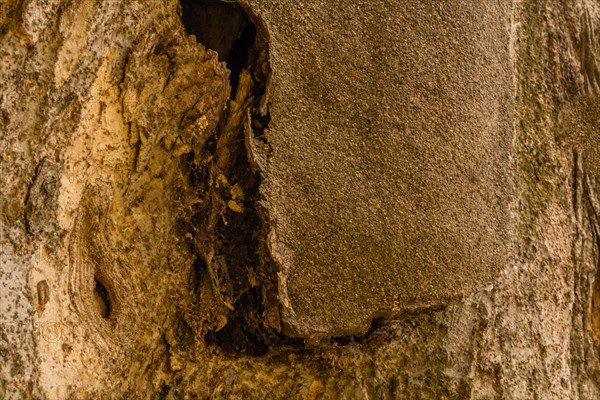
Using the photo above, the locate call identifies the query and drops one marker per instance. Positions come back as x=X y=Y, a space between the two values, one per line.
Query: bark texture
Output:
x=151 y=248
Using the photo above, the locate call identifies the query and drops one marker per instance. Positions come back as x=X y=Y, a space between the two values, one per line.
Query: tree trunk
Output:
x=300 y=200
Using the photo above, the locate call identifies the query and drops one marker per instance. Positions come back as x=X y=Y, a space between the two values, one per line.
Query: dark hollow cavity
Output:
x=102 y=298
x=224 y=28
x=233 y=276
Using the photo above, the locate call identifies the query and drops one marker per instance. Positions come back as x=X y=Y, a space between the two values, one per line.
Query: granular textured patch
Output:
x=390 y=182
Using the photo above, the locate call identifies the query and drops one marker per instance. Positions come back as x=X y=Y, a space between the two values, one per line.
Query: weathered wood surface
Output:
x=164 y=236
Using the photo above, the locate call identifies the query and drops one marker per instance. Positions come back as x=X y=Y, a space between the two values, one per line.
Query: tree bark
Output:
x=197 y=217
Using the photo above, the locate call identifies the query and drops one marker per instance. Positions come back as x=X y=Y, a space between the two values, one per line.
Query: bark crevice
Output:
x=238 y=308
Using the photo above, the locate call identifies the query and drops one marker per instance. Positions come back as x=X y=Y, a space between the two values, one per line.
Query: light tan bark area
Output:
x=179 y=223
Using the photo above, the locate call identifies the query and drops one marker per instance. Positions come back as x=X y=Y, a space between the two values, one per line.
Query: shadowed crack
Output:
x=235 y=277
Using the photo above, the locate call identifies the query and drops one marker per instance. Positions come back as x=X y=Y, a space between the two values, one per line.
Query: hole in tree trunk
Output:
x=224 y=28
x=234 y=276
x=102 y=299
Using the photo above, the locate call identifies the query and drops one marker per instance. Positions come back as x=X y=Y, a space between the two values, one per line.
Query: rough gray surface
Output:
x=391 y=178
